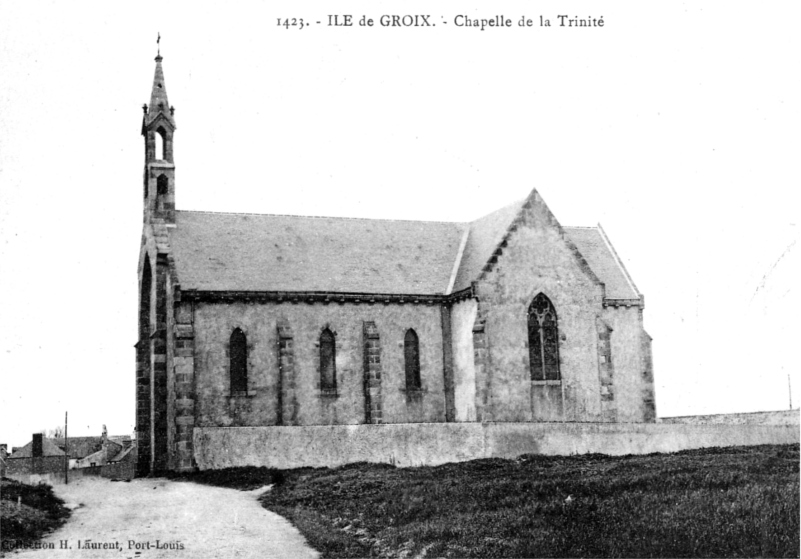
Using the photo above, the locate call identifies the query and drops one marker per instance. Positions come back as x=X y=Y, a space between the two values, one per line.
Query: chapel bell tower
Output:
x=158 y=127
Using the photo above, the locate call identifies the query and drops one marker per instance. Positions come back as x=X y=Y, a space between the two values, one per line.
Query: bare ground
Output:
x=182 y=519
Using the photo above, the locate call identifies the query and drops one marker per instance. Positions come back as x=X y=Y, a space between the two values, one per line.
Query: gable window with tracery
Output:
x=543 y=339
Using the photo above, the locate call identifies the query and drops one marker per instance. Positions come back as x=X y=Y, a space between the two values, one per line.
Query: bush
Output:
x=40 y=512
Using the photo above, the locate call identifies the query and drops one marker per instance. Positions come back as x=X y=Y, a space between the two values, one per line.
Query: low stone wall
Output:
x=39 y=465
x=783 y=417
x=118 y=470
x=51 y=477
x=437 y=443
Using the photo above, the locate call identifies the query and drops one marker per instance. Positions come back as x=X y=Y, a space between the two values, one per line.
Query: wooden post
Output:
x=790 y=390
x=66 y=453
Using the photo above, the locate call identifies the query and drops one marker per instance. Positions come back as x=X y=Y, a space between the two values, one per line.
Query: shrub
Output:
x=39 y=512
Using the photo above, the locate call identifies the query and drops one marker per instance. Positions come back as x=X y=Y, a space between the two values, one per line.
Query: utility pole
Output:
x=66 y=453
x=790 y=390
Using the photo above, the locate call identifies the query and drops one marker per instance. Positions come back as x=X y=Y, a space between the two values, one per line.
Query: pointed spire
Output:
x=158 y=96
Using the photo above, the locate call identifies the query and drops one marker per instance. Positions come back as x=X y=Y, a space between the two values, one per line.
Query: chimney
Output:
x=36 y=449
x=3 y=451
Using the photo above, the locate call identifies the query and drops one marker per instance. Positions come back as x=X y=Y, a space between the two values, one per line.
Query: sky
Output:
x=675 y=126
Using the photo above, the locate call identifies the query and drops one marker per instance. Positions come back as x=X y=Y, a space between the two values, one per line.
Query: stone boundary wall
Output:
x=54 y=478
x=783 y=417
x=35 y=465
x=118 y=470
x=438 y=443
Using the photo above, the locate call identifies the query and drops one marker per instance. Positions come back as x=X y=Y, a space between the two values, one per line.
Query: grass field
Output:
x=27 y=512
x=731 y=502
x=722 y=502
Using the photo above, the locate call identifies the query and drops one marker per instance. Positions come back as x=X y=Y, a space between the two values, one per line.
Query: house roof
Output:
x=95 y=456
x=257 y=253
x=121 y=454
x=79 y=446
x=247 y=252
x=48 y=449
x=599 y=254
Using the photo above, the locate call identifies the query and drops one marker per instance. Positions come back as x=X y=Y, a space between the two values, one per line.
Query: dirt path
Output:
x=186 y=520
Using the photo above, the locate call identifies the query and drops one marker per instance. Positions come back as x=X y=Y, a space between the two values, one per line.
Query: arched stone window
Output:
x=411 y=356
x=161 y=140
x=328 y=358
x=543 y=339
x=238 y=352
x=162 y=185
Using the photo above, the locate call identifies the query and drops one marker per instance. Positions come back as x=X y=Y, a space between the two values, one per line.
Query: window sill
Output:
x=329 y=393
x=243 y=394
x=546 y=382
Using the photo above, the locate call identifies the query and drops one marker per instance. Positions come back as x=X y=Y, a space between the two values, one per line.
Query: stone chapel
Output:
x=273 y=320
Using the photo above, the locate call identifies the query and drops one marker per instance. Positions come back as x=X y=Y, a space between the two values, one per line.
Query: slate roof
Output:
x=599 y=254
x=121 y=454
x=246 y=252
x=79 y=446
x=48 y=449
x=485 y=235
x=94 y=457
x=256 y=252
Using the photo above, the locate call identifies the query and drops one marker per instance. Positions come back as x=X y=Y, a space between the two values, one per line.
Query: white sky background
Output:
x=676 y=126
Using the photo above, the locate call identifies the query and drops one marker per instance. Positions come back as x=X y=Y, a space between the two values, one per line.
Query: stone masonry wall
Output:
x=39 y=465
x=143 y=367
x=463 y=316
x=159 y=380
x=283 y=364
x=371 y=356
x=181 y=384
x=432 y=444
x=536 y=258
x=118 y=470
x=633 y=382
x=165 y=362
x=606 y=372
x=782 y=417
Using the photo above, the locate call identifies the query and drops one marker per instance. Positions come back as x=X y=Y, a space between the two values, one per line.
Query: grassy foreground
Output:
x=26 y=513
x=723 y=502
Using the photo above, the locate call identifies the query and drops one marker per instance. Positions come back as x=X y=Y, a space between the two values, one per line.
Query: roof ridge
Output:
x=619 y=261
x=458 y=262
x=325 y=217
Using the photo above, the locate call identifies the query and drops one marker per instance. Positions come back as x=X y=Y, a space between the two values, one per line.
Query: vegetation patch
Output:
x=720 y=502
x=27 y=512
x=245 y=479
